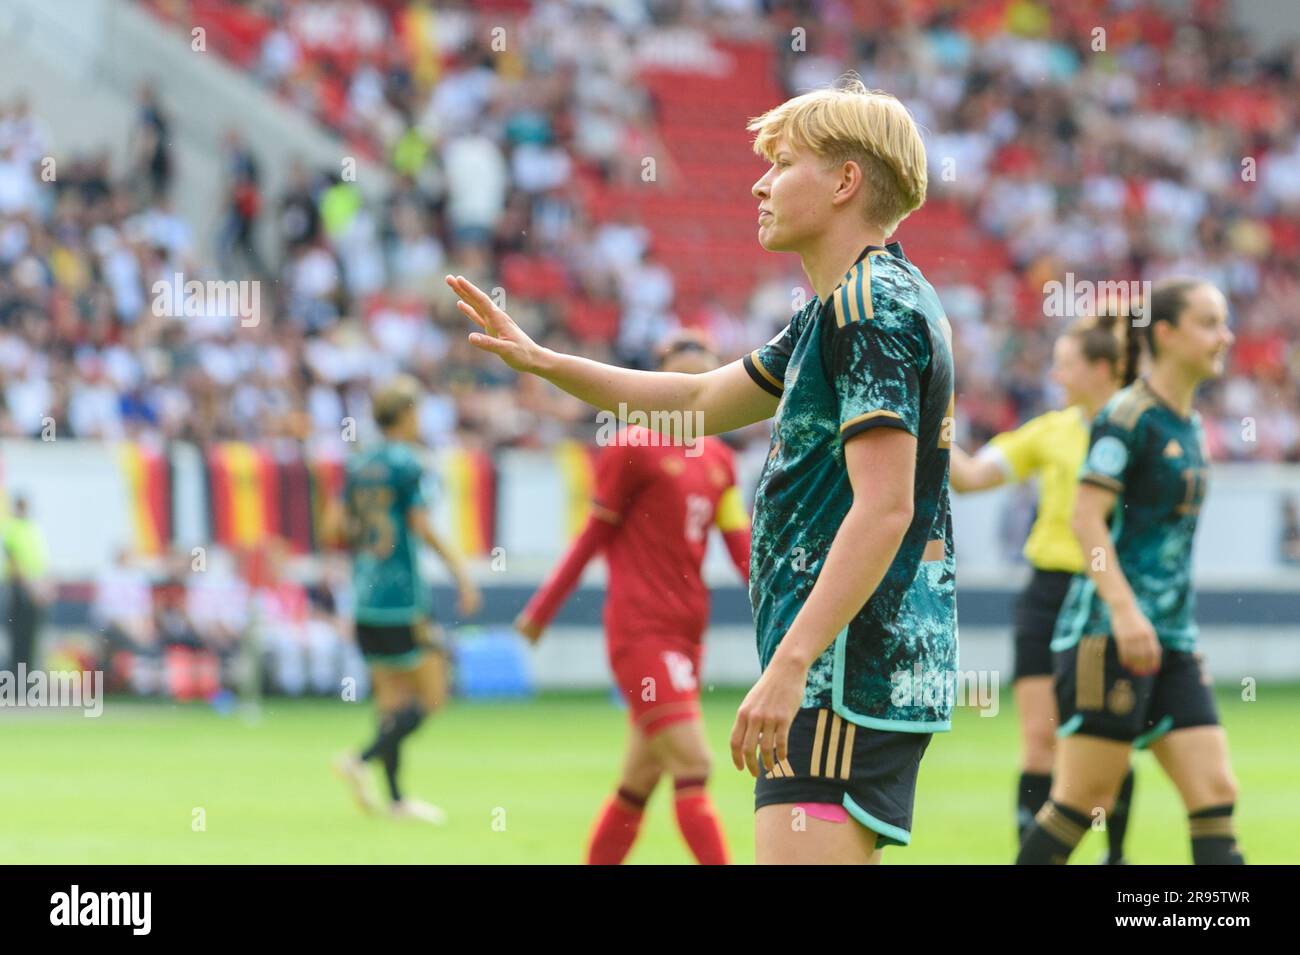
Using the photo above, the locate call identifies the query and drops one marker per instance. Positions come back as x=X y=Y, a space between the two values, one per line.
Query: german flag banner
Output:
x=254 y=495
x=326 y=476
x=245 y=496
x=147 y=475
x=577 y=464
x=296 y=502
x=469 y=482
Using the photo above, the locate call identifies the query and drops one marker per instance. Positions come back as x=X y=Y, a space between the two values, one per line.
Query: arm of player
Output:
x=1135 y=638
x=1010 y=457
x=334 y=524
x=978 y=472
x=726 y=398
x=541 y=609
x=469 y=600
x=881 y=464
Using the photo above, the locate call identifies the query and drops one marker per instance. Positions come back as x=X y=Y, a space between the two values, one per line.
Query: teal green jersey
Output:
x=383 y=485
x=1155 y=460
x=875 y=354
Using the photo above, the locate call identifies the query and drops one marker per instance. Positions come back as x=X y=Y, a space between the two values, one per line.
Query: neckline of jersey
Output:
x=1146 y=386
x=893 y=248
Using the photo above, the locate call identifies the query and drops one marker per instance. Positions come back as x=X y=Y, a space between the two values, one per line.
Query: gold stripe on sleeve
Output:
x=753 y=356
x=882 y=413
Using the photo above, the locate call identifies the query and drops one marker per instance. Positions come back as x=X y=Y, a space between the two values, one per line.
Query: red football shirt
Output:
x=664 y=503
x=653 y=509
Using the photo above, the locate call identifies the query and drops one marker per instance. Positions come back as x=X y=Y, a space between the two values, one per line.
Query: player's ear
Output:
x=850 y=184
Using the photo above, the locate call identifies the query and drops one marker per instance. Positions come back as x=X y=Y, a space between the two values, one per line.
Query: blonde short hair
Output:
x=850 y=122
x=392 y=399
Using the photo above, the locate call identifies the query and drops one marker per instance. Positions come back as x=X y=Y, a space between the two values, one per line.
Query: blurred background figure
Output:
x=27 y=587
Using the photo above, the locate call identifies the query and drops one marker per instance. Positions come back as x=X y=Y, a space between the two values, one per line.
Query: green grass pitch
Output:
x=521 y=783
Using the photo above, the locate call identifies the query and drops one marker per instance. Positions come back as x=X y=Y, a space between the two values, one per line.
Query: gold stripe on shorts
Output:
x=1090 y=673
x=815 y=768
x=832 y=747
x=846 y=755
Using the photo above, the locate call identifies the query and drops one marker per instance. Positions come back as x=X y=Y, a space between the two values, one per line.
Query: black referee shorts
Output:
x=1034 y=620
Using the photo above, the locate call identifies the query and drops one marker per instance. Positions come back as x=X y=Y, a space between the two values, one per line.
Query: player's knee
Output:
x=431 y=701
x=683 y=757
x=641 y=780
x=1220 y=789
x=1039 y=751
x=692 y=765
x=1085 y=796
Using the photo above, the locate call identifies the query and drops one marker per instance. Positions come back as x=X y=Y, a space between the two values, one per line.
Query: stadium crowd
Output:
x=1174 y=149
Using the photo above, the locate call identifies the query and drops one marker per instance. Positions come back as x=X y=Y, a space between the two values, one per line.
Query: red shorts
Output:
x=659 y=682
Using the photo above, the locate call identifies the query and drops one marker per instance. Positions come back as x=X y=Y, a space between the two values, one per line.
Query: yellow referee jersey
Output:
x=1051 y=446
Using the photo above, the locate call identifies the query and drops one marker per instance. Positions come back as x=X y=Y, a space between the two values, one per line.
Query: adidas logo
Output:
x=1173 y=449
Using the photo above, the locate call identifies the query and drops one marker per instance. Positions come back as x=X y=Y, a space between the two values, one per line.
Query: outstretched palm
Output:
x=500 y=335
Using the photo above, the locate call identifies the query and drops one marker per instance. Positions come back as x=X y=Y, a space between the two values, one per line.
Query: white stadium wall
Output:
x=1248 y=594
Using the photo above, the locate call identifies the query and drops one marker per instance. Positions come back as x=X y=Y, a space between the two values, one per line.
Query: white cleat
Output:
x=419 y=811
x=353 y=772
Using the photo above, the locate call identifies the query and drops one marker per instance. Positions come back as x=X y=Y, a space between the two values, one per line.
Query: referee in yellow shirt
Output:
x=24 y=567
x=1090 y=362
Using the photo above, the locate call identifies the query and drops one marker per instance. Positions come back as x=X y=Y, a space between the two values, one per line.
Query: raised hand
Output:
x=500 y=335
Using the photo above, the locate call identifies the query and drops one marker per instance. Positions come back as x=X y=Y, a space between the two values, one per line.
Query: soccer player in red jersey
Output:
x=654 y=504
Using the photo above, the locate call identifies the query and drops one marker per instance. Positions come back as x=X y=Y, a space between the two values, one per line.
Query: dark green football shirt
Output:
x=1155 y=460
x=383 y=484
x=875 y=354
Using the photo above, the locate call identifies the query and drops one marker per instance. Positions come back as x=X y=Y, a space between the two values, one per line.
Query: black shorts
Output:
x=1035 y=620
x=871 y=773
x=1096 y=696
x=398 y=645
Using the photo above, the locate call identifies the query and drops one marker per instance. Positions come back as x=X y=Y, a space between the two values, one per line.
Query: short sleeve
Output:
x=1020 y=448
x=1111 y=452
x=618 y=479
x=766 y=365
x=876 y=376
x=411 y=487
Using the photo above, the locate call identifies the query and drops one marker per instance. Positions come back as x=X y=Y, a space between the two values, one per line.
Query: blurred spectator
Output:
x=28 y=591
x=151 y=163
x=1047 y=158
x=243 y=203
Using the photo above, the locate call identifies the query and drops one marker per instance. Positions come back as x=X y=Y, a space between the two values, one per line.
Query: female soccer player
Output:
x=851 y=568
x=1090 y=362
x=1127 y=674
x=386 y=519
x=654 y=506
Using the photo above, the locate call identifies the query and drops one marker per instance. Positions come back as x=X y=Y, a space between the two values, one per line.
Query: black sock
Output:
x=381 y=735
x=394 y=728
x=391 y=756
x=1056 y=831
x=1033 y=792
x=1117 y=821
x=1214 y=840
